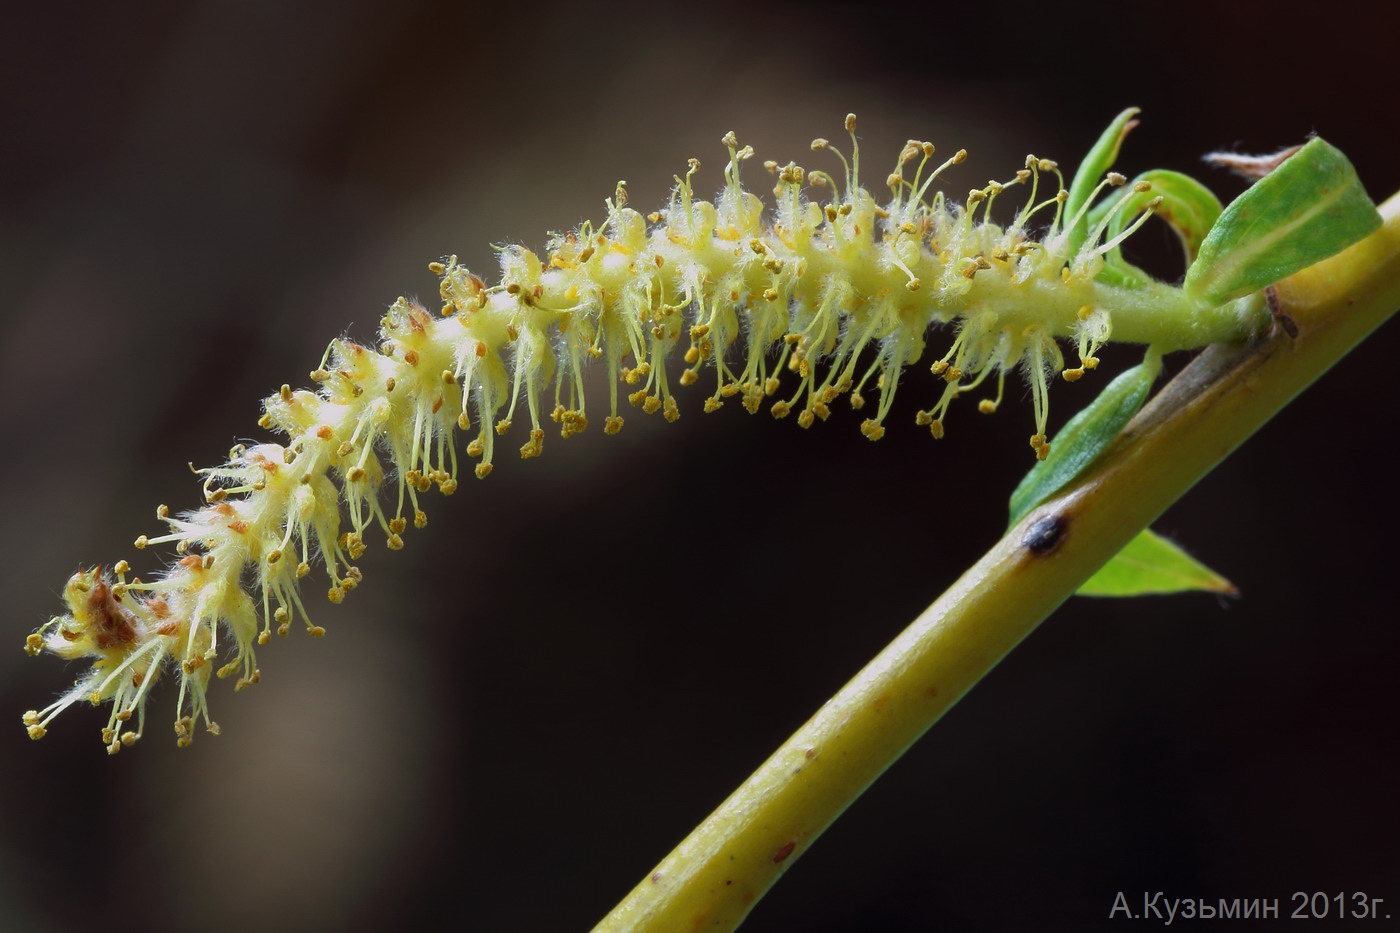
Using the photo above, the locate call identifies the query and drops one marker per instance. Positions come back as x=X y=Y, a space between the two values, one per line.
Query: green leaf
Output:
x=1309 y=208
x=1085 y=435
x=1188 y=207
x=1099 y=160
x=1152 y=565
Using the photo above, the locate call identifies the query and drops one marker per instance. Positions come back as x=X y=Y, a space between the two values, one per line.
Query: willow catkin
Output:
x=827 y=297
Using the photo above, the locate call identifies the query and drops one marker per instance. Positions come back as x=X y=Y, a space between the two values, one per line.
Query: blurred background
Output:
x=576 y=661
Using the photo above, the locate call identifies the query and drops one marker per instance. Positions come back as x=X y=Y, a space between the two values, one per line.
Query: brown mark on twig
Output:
x=1045 y=535
x=1280 y=316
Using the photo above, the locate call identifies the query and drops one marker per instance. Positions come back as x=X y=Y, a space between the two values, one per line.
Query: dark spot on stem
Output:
x=784 y=852
x=1045 y=535
x=1280 y=316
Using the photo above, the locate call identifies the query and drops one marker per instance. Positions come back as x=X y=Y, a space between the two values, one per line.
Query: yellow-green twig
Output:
x=716 y=875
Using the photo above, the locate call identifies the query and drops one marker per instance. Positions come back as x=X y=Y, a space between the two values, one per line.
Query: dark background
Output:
x=526 y=708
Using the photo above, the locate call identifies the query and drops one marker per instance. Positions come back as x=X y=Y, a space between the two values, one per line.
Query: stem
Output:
x=716 y=875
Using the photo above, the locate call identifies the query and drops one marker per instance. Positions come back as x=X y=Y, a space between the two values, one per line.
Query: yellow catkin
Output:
x=831 y=292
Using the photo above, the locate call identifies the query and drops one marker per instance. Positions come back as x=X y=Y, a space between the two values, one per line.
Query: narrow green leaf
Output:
x=1091 y=171
x=1309 y=208
x=1152 y=565
x=1188 y=207
x=1085 y=435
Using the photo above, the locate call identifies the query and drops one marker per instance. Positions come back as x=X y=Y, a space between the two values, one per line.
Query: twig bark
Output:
x=716 y=875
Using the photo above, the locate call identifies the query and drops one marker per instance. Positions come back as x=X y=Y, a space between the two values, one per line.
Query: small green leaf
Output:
x=1091 y=171
x=1309 y=208
x=1085 y=435
x=1152 y=565
x=1188 y=207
